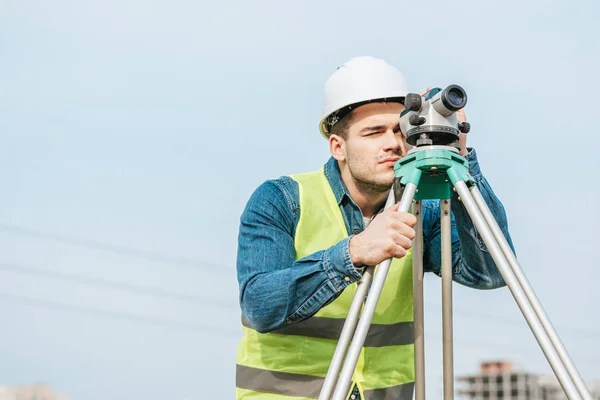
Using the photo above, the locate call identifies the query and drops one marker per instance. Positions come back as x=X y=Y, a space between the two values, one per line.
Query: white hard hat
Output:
x=358 y=81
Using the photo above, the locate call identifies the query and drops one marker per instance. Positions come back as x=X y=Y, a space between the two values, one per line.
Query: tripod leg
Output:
x=512 y=283
x=349 y=325
x=419 y=316
x=367 y=315
x=529 y=292
x=446 y=237
x=346 y=334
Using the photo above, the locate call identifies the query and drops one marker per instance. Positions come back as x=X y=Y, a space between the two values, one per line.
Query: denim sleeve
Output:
x=275 y=288
x=473 y=265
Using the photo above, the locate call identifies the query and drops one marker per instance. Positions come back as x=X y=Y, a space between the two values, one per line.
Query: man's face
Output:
x=373 y=144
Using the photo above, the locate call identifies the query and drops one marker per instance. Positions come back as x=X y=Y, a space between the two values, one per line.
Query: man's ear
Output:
x=337 y=147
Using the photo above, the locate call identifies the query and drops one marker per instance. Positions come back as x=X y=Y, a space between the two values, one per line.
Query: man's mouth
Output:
x=389 y=161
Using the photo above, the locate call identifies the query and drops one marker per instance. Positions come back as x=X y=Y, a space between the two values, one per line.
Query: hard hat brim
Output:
x=324 y=126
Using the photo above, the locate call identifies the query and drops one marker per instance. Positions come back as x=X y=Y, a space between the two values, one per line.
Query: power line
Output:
x=147 y=291
x=152 y=256
x=156 y=292
x=157 y=257
x=130 y=317
x=116 y=249
x=174 y=324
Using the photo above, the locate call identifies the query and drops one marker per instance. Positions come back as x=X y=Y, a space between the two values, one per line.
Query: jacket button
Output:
x=356 y=232
x=347 y=279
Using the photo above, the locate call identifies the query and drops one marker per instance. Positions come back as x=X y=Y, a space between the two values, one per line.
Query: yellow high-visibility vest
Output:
x=291 y=363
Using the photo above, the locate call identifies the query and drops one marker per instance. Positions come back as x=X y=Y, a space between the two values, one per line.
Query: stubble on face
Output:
x=363 y=172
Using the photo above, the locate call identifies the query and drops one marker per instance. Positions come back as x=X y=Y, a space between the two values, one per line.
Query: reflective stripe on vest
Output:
x=291 y=362
x=286 y=384
x=379 y=335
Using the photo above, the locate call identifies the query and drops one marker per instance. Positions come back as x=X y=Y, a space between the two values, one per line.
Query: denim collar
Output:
x=333 y=175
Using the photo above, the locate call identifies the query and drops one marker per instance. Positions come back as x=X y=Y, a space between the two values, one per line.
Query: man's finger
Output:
x=425 y=91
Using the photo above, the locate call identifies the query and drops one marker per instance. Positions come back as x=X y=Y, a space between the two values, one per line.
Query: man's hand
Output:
x=462 y=137
x=390 y=234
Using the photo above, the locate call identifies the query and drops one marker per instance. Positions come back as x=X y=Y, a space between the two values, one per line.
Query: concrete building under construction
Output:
x=499 y=380
x=30 y=392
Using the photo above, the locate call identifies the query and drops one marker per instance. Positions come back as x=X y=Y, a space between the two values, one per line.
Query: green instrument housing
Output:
x=434 y=172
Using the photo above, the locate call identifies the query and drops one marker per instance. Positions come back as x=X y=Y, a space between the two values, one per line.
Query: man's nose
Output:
x=394 y=142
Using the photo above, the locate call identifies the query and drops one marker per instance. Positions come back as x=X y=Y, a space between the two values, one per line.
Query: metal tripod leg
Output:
x=419 y=315
x=362 y=328
x=535 y=302
x=349 y=326
x=346 y=334
x=446 y=238
x=481 y=223
x=419 y=320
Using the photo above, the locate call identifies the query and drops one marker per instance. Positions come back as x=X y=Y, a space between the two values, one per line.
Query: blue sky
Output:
x=134 y=132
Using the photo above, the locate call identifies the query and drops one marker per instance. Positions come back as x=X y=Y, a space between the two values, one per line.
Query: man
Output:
x=305 y=239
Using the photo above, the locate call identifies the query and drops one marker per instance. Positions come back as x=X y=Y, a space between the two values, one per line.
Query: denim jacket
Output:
x=275 y=289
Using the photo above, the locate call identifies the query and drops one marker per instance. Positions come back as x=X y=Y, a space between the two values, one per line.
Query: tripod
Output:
x=435 y=172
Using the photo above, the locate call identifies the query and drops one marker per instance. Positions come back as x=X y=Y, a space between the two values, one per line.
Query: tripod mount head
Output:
x=431 y=119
